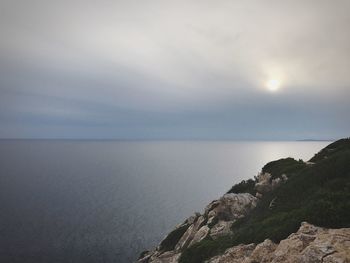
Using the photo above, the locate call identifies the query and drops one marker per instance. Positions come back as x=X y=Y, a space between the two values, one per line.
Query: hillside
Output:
x=271 y=206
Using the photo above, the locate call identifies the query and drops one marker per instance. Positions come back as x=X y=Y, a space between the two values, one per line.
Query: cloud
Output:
x=117 y=63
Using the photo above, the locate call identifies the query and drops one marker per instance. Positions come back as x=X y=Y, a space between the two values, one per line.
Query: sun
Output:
x=273 y=84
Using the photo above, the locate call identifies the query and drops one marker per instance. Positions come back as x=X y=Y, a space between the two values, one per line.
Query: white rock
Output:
x=186 y=239
x=200 y=235
x=231 y=206
x=220 y=229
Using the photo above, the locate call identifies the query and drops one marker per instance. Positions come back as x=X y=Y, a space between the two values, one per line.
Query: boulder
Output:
x=166 y=257
x=186 y=239
x=263 y=184
x=310 y=244
x=200 y=235
x=222 y=228
x=262 y=252
x=231 y=206
x=314 y=244
x=237 y=254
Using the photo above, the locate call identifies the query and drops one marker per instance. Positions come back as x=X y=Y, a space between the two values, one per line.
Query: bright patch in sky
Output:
x=273 y=85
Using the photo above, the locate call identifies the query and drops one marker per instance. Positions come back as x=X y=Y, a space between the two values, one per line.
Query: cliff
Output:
x=261 y=219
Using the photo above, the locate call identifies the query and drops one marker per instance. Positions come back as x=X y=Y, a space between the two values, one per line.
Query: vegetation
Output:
x=318 y=194
x=171 y=240
x=331 y=149
x=246 y=186
x=283 y=166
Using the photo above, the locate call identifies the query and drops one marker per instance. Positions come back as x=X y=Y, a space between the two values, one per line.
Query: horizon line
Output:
x=162 y=139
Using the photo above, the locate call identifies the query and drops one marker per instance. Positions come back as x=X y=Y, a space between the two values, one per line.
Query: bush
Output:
x=173 y=238
x=246 y=186
x=335 y=147
x=287 y=166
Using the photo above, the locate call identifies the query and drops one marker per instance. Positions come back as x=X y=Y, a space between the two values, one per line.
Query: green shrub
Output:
x=337 y=146
x=287 y=166
x=246 y=186
x=173 y=238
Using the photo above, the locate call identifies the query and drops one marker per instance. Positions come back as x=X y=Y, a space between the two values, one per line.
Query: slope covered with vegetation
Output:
x=318 y=193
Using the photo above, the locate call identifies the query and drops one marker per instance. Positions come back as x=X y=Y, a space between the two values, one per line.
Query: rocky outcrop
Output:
x=263 y=252
x=236 y=254
x=189 y=235
x=315 y=244
x=221 y=228
x=310 y=244
x=265 y=183
x=216 y=221
x=158 y=257
x=230 y=207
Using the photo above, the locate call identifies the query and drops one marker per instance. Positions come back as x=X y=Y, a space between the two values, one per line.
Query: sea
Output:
x=107 y=200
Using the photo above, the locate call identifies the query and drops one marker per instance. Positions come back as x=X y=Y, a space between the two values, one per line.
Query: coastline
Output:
x=218 y=235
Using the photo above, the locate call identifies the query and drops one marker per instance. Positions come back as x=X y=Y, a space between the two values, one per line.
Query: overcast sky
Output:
x=174 y=69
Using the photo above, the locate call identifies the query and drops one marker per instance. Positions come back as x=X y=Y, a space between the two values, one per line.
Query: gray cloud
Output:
x=174 y=69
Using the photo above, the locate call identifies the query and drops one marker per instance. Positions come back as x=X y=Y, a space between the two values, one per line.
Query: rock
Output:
x=166 y=257
x=263 y=184
x=314 y=244
x=237 y=254
x=212 y=220
x=189 y=234
x=161 y=257
x=276 y=182
x=222 y=228
x=145 y=256
x=200 y=235
x=284 y=177
x=247 y=253
x=310 y=244
x=262 y=252
x=192 y=218
x=289 y=250
x=231 y=206
x=216 y=221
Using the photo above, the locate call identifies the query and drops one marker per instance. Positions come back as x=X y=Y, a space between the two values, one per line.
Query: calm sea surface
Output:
x=106 y=201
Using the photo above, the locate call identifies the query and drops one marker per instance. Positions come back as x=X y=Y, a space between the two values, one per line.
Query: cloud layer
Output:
x=174 y=69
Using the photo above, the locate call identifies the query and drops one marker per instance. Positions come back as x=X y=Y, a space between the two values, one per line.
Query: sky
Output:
x=242 y=70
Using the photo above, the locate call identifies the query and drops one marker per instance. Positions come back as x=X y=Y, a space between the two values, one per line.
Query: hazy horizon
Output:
x=173 y=139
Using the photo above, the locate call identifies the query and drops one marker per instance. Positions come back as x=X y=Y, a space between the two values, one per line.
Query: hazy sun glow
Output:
x=273 y=84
